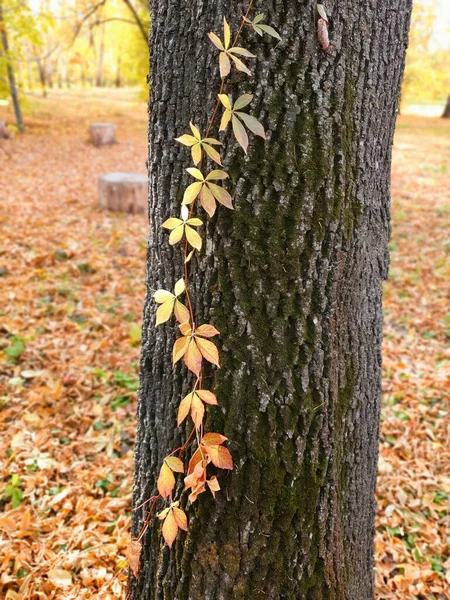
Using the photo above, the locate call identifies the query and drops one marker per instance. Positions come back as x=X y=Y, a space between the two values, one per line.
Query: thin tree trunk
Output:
x=10 y=71
x=446 y=114
x=99 y=80
x=41 y=71
x=292 y=279
x=118 y=81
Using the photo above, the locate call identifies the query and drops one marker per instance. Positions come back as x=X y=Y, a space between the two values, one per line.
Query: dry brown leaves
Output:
x=72 y=286
x=71 y=289
x=413 y=544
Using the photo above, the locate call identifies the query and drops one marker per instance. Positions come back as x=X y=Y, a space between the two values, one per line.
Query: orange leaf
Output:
x=185 y=329
x=220 y=456
x=180 y=518
x=184 y=408
x=206 y=331
x=193 y=357
x=197 y=411
x=170 y=528
x=213 y=485
x=208 y=350
x=166 y=481
x=207 y=397
x=196 y=458
x=207 y=200
x=213 y=439
x=225 y=460
x=181 y=312
x=134 y=555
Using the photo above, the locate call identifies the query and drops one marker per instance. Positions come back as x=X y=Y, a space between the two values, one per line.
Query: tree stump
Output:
x=123 y=192
x=4 y=133
x=102 y=134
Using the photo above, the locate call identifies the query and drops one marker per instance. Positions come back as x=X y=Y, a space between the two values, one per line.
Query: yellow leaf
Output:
x=60 y=577
x=240 y=65
x=187 y=140
x=242 y=101
x=162 y=296
x=189 y=256
x=193 y=238
x=216 y=41
x=225 y=119
x=175 y=464
x=213 y=154
x=196 y=152
x=179 y=348
x=193 y=357
x=176 y=235
x=225 y=101
x=212 y=141
x=226 y=34
x=217 y=174
x=163 y=514
x=170 y=529
x=166 y=481
x=241 y=52
x=192 y=192
x=195 y=173
x=208 y=350
x=195 y=131
x=164 y=311
x=179 y=287
x=195 y=222
x=172 y=223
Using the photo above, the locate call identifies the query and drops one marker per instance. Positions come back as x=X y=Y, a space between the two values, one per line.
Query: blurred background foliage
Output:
x=78 y=44
x=74 y=44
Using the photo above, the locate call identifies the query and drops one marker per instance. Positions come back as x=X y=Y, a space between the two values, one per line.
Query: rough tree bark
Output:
x=292 y=279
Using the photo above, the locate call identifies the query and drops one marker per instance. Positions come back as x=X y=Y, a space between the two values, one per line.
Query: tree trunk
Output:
x=446 y=114
x=42 y=75
x=292 y=279
x=11 y=79
x=99 y=78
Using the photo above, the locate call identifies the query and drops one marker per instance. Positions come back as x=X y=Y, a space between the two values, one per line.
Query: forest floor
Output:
x=71 y=290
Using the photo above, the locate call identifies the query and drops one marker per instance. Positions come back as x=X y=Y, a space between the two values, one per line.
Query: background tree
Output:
x=446 y=114
x=292 y=279
x=427 y=77
x=7 y=64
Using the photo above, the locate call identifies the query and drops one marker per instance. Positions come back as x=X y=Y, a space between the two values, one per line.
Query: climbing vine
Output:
x=194 y=344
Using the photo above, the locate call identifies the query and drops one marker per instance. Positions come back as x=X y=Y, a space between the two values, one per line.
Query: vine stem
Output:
x=154 y=499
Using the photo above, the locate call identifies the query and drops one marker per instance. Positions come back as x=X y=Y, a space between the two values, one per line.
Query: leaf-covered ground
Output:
x=72 y=286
